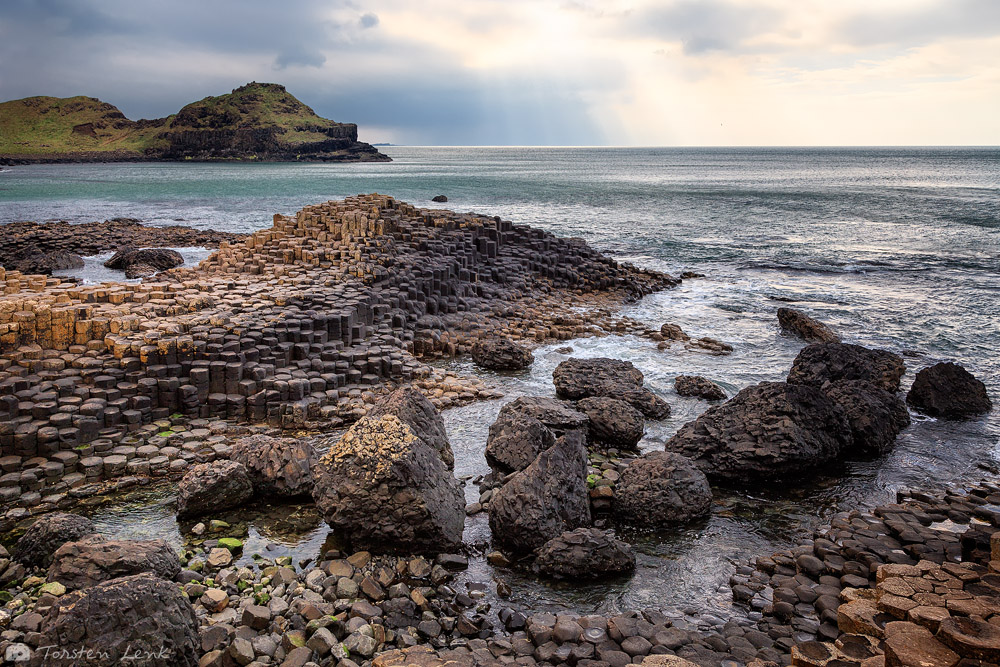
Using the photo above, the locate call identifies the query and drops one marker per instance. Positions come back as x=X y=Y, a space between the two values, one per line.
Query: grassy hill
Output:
x=258 y=121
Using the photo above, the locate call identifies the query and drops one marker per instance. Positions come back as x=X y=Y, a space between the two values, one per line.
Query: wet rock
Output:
x=515 y=439
x=820 y=363
x=44 y=263
x=583 y=378
x=92 y=560
x=948 y=391
x=661 y=489
x=876 y=416
x=386 y=490
x=808 y=329
x=612 y=422
x=558 y=416
x=276 y=467
x=766 y=431
x=545 y=499
x=139 y=270
x=414 y=410
x=585 y=553
x=160 y=259
x=47 y=534
x=501 y=354
x=140 y=618
x=673 y=332
x=695 y=385
x=440 y=199
x=212 y=487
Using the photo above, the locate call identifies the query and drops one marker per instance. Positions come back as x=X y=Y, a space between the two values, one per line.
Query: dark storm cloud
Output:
x=703 y=26
x=921 y=25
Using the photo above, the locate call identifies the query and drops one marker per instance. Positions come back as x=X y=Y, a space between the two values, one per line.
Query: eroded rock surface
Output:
x=662 y=489
x=92 y=560
x=212 y=487
x=276 y=466
x=47 y=534
x=820 y=363
x=948 y=391
x=585 y=553
x=413 y=409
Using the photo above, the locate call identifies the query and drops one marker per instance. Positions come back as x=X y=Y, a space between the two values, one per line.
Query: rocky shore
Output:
x=326 y=322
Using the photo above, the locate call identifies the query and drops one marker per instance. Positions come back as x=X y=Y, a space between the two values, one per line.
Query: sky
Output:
x=566 y=72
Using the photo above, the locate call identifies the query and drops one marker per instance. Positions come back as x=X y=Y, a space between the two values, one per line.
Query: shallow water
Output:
x=894 y=248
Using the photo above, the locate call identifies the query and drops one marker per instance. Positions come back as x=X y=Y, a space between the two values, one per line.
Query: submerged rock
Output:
x=139 y=619
x=417 y=412
x=662 y=489
x=769 y=430
x=47 y=534
x=808 y=329
x=583 y=378
x=545 y=499
x=876 y=416
x=820 y=363
x=695 y=385
x=515 y=439
x=612 y=422
x=501 y=354
x=948 y=391
x=212 y=487
x=93 y=560
x=386 y=490
x=585 y=553
x=276 y=466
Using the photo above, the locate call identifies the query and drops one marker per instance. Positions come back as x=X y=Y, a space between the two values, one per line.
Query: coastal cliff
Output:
x=258 y=121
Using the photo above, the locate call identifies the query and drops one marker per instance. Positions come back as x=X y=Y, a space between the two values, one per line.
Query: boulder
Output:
x=876 y=416
x=808 y=329
x=92 y=560
x=417 y=412
x=501 y=354
x=770 y=430
x=545 y=499
x=695 y=385
x=44 y=263
x=276 y=466
x=47 y=534
x=440 y=199
x=212 y=487
x=585 y=553
x=948 y=391
x=673 y=332
x=386 y=490
x=582 y=378
x=612 y=422
x=820 y=363
x=139 y=270
x=662 y=489
x=160 y=259
x=515 y=439
x=139 y=619
x=558 y=416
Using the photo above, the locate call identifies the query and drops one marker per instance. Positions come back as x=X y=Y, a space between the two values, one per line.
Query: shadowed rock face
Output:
x=766 y=431
x=612 y=422
x=276 y=466
x=876 y=416
x=695 y=385
x=413 y=409
x=662 y=489
x=515 y=439
x=47 y=534
x=93 y=560
x=46 y=262
x=828 y=362
x=151 y=259
x=545 y=499
x=585 y=553
x=948 y=391
x=386 y=490
x=142 y=615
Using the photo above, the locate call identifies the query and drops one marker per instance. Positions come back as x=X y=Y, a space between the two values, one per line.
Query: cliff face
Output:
x=258 y=121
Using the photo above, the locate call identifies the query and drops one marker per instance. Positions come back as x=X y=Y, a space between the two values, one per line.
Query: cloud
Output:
x=715 y=25
x=299 y=55
x=922 y=24
x=368 y=20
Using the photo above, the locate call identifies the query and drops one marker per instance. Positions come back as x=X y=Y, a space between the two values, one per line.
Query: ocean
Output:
x=896 y=248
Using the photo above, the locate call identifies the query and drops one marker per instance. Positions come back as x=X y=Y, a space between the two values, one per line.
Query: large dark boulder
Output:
x=212 y=487
x=44 y=263
x=582 y=378
x=948 y=391
x=276 y=466
x=808 y=329
x=385 y=490
x=585 y=553
x=417 y=412
x=133 y=620
x=613 y=422
x=820 y=363
x=662 y=489
x=158 y=259
x=48 y=533
x=515 y=439
x=876 y=416
x=501 y=354
x=92 y=560
x=558 y=416
x=770 y=430
x=545 y=499
x=695 y=385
